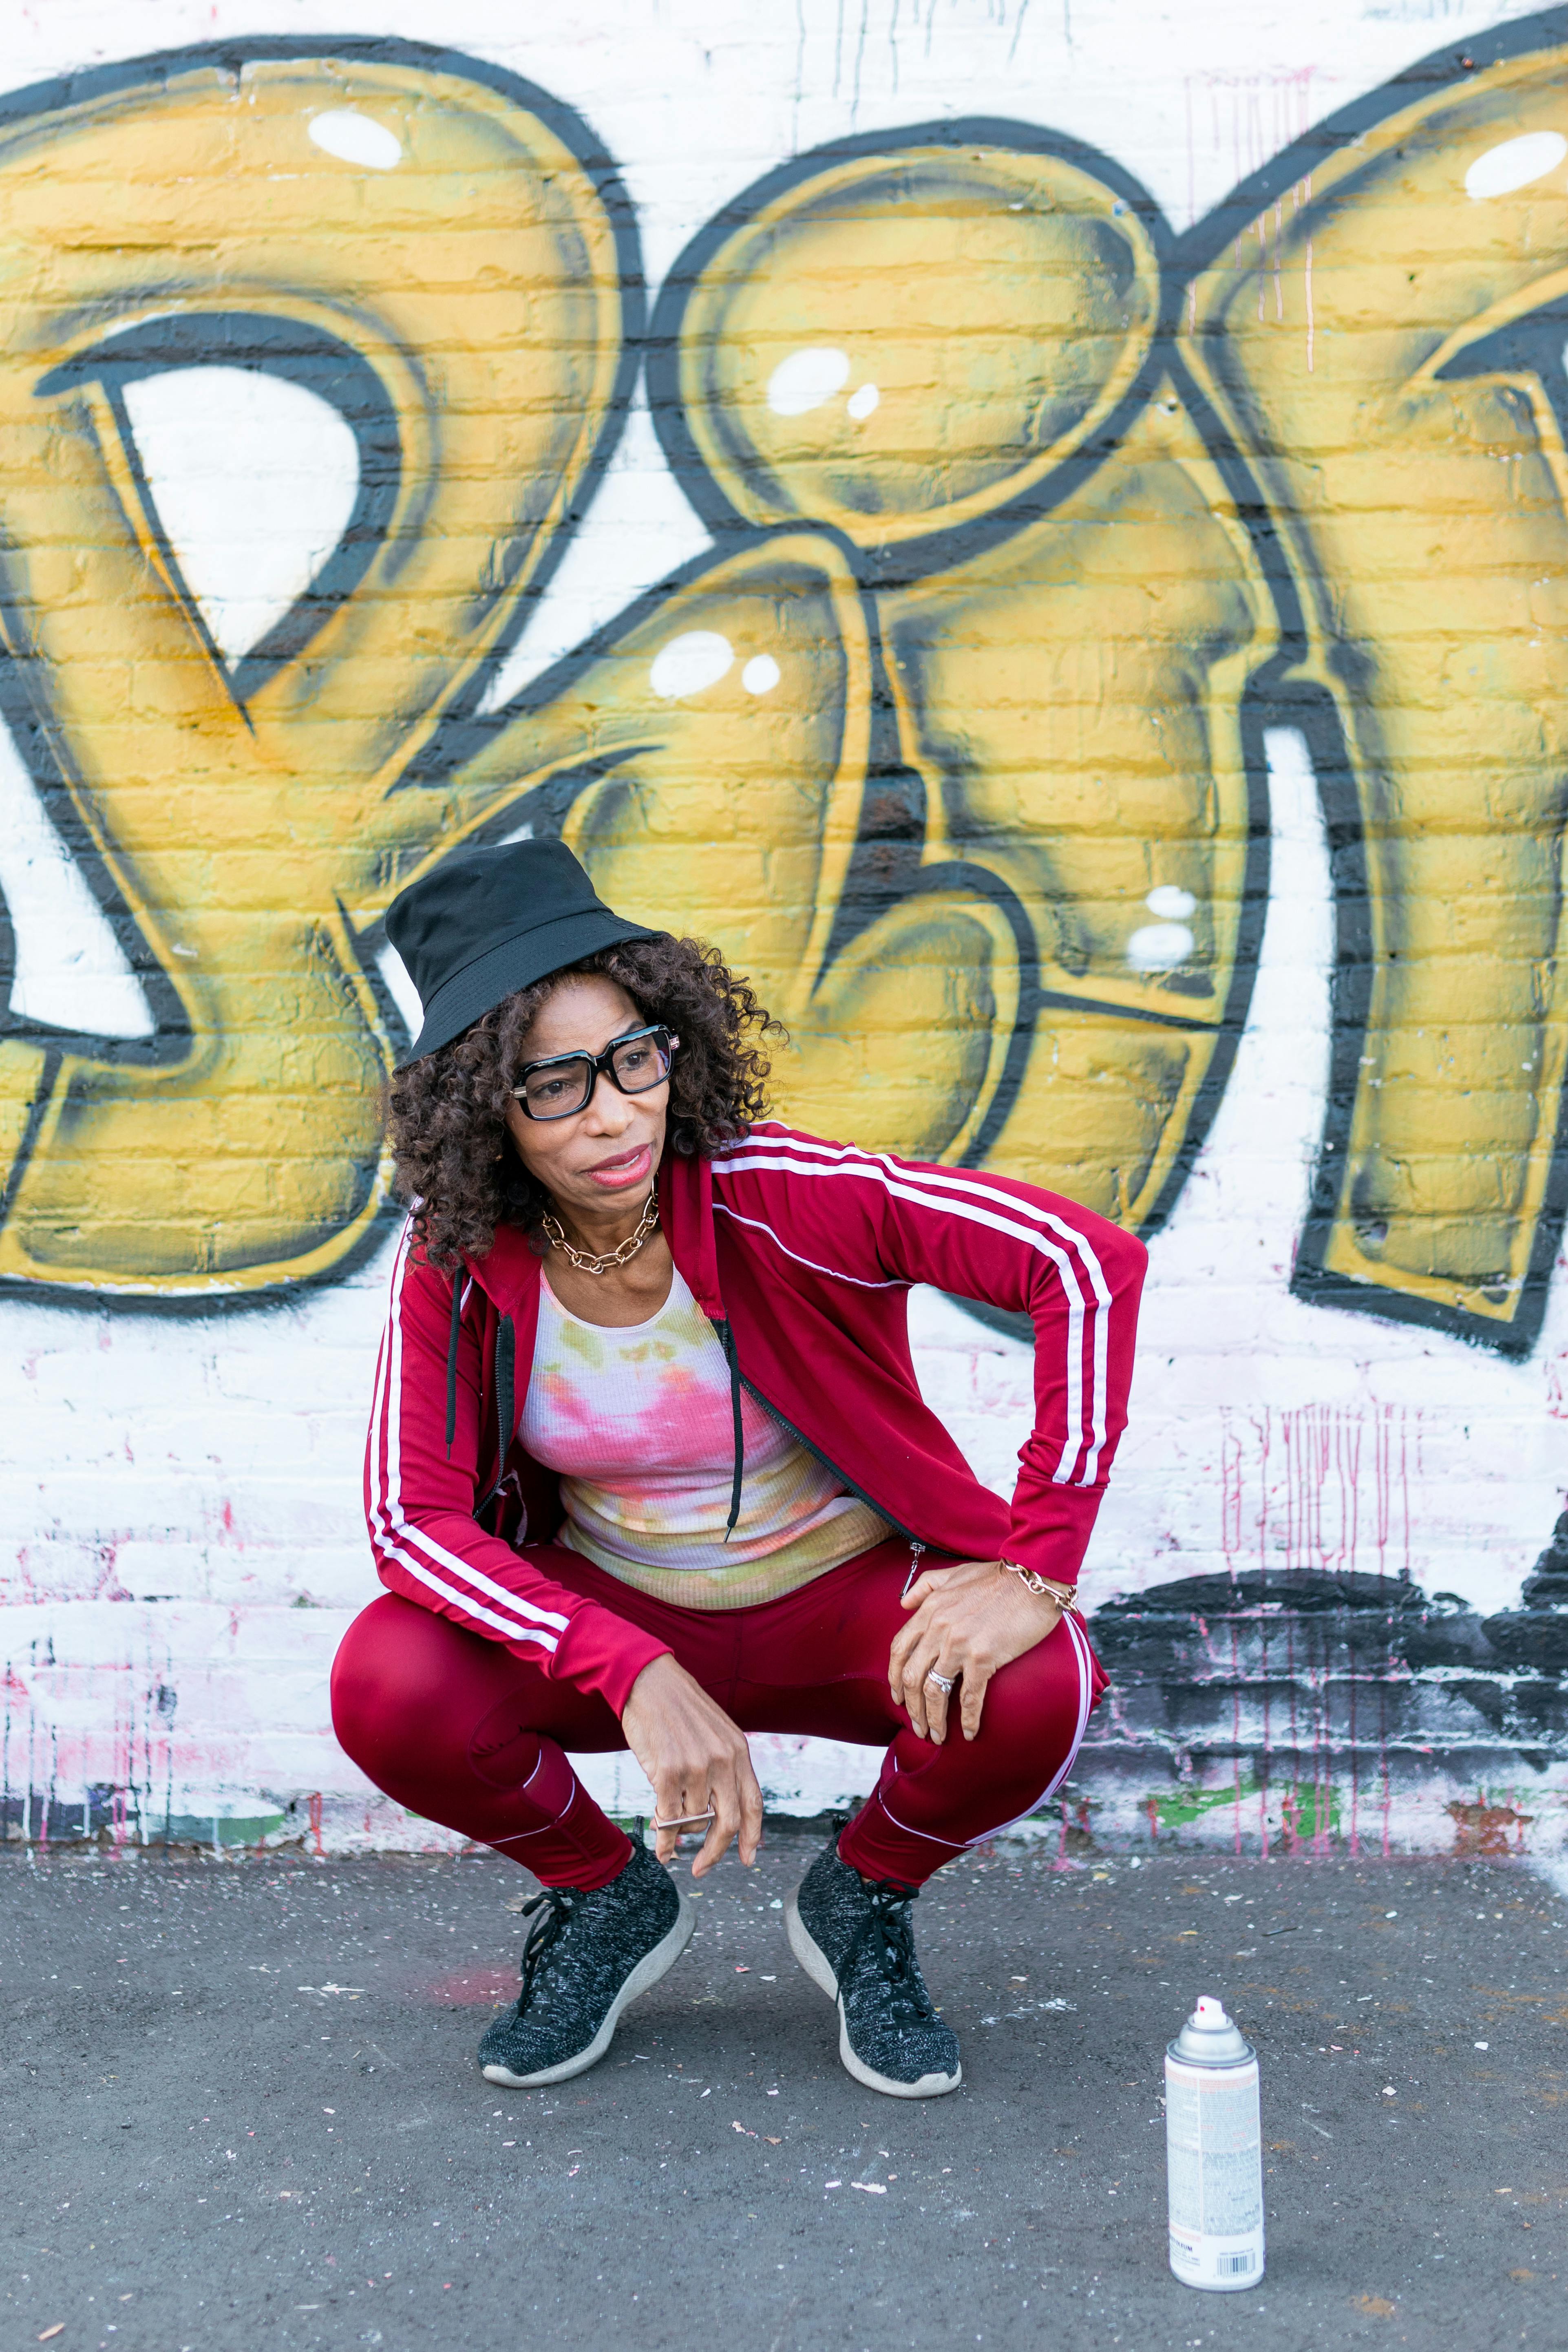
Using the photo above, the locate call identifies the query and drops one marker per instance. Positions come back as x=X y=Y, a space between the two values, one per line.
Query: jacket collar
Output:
x=509 y=1271
x=685 y=1210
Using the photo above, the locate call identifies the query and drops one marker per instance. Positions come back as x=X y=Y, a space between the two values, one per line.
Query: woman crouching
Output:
x=648 y=1467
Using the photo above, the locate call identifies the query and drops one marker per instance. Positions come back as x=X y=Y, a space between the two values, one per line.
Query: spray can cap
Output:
x=1210 y=2038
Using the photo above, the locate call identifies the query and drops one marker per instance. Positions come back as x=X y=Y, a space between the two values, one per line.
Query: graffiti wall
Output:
x=1053 y=550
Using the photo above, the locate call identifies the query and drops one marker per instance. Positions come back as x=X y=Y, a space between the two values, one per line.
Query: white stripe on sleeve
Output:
x=978 y=1205
x=399 y=1538
x=975 y=1188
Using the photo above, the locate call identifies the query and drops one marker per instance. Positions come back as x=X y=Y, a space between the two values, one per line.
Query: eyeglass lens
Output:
x=560 y=1088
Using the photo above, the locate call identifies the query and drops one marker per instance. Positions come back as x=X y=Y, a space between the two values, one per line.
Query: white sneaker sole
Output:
x=814 y=1961
x=646 y=1973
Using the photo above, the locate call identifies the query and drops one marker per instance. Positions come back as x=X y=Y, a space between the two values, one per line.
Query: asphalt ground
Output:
x=242 y=2112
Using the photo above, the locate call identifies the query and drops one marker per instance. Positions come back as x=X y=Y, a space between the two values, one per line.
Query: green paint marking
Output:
x=1305 y=1813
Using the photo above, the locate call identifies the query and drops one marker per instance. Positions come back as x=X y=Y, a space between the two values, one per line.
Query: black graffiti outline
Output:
x=294 y=352
x=868 y=892
x=46 y=756
x=915 y=559
x=929 y=555
x=1450 y=67
x=1269 y=698
x=1272 y=696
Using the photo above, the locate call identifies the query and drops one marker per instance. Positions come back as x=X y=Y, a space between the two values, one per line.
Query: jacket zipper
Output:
x=505 y=1407
x=801 y=1439
x=506 y=1413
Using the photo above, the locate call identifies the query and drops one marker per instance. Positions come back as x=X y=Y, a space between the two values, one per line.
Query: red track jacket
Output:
x=802 y=1254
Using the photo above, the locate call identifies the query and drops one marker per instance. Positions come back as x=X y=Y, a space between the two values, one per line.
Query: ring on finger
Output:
x=942 y=1682
x=682 y=1820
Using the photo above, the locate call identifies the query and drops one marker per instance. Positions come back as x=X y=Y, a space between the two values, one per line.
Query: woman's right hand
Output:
x=694 y=1756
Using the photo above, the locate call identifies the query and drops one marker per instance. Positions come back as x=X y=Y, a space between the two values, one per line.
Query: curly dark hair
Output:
x=454 y=1156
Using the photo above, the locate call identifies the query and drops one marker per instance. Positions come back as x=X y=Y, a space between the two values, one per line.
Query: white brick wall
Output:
x=180 y=1493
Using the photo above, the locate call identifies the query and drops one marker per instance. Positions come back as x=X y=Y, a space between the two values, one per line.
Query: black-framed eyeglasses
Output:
x=564 y=1084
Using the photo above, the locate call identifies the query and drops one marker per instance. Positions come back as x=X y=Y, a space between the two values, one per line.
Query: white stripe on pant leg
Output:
x=544 y=1827
x=877 y=1798
x=929 y=1836
x=1085 y=1701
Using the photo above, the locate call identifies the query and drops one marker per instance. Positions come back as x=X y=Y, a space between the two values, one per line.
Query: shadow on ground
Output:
x=243 y=2112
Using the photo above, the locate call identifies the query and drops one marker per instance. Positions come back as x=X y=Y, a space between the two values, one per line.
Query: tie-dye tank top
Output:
x=637 y=1421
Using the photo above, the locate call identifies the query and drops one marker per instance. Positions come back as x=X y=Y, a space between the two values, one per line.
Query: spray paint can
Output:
x=1213 y=2153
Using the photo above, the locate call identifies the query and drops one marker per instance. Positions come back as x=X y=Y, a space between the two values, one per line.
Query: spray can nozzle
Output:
x=1210 y=2038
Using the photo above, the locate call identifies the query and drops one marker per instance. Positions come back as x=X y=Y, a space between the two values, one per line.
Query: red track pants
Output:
x=463 y=1732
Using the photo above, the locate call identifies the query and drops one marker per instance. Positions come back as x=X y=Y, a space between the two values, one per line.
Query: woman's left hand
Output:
x=969 y=1621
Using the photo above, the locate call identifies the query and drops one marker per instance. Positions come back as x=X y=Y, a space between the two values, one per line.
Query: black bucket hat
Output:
x=487 y=923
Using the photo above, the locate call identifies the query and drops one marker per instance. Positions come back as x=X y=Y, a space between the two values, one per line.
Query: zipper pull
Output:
x=915 y=1552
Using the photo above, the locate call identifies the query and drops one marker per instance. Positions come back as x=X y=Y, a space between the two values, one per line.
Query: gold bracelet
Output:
x=1063 y=1595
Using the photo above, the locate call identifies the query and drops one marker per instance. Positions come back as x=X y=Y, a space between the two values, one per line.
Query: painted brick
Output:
x=1307 y=589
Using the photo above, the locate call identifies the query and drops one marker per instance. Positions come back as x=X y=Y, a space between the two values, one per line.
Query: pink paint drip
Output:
x=1332 y=1482
x=1062 y=1860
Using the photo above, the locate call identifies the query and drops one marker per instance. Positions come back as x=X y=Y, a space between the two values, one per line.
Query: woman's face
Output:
x=605 y=1155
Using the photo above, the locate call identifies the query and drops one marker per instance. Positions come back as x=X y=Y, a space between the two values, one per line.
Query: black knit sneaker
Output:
x=587 y=1954
x=853 y=1937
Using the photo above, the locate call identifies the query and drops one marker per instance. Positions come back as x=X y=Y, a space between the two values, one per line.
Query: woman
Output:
x=648 y=1467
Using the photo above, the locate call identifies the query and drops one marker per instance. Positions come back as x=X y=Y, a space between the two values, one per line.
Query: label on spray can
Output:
x=1215 y=2161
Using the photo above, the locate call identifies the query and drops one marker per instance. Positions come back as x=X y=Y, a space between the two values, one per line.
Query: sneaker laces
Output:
x=886 y=1932
x=557 y=1905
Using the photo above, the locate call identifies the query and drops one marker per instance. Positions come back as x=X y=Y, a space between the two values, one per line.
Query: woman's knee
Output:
x=397 y=1683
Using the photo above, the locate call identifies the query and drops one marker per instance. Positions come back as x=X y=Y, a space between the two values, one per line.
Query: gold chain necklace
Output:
x=585 y=1261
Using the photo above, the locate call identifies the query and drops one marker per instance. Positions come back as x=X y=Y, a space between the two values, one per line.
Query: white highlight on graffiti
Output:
x=761 y=675
x=401 y=988
x=689 y=663
x=1171 y=902
x=356 y=139
x=71 y=972
x=864 y=402
x=806 y=379
x=1515 y=164
x=1159 y=947
x=254 y=479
